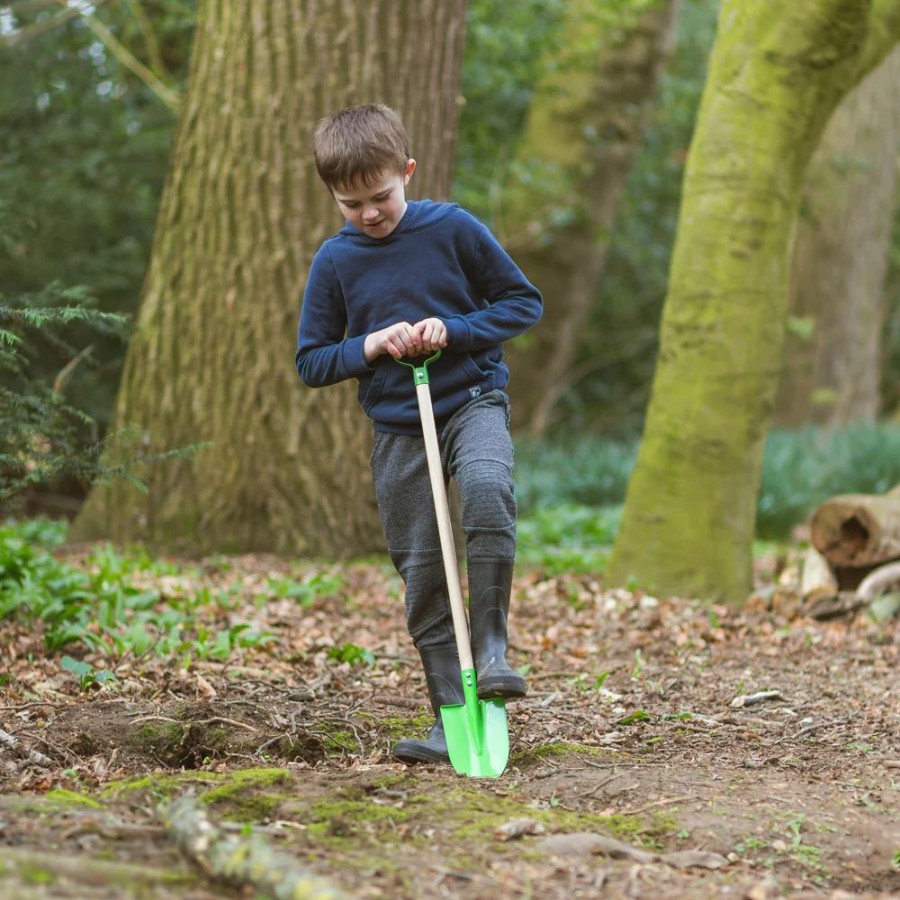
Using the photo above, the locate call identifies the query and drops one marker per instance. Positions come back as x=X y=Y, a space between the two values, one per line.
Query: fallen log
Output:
x=858 y=530
x=877 y=582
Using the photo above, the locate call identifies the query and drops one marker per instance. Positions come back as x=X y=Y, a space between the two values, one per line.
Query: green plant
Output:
x=102 y=610
x=43 y=437
x=221 y=644
x=583 y=472
x=87 y=675
x=634 y=718
x=567 y=538
x=352 y=654
x=638 y=669
x=314 y=587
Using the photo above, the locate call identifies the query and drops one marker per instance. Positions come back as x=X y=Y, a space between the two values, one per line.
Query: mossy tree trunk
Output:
x=777 y=71
x=584 y=128
x=242 y=214
x=832 y=355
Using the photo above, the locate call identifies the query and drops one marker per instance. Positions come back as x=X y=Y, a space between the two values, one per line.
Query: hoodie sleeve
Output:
x=513 y=303
x=323 y=355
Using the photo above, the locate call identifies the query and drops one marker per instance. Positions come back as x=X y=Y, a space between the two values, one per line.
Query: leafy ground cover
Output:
x=666 y=749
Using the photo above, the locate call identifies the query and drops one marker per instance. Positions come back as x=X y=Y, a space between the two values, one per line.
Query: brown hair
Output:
x=358 y=143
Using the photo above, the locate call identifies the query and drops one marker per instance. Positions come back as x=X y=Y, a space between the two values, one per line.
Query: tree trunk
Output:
x=776 y=73
x=286 y=469
x=832 y=357
x=584 y=128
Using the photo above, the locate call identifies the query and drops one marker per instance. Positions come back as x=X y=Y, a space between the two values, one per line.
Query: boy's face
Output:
x=376 y=209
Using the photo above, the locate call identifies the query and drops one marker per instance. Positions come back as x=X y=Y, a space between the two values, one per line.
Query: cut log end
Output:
x=857 y=530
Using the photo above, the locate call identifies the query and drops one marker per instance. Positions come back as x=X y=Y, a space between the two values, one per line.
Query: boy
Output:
x=405 y=279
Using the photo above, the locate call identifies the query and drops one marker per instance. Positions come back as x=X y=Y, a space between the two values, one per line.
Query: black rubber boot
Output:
x=444 y=681
x=490 y=583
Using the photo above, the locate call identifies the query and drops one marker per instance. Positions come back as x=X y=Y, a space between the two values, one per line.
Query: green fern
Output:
x=42 y=435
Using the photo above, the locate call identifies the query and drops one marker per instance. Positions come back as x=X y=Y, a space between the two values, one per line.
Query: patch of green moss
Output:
x=242 y=797
x=387 y=781
x=340 y=740
x=169 y=732
x=62 y=797
x=479 y=814
x=162 y=786
x=637 y=830
x=344 y=820
x=36 y=876
x=396 y=727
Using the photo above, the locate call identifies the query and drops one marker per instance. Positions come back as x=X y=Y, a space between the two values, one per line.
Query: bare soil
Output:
x=665 y=750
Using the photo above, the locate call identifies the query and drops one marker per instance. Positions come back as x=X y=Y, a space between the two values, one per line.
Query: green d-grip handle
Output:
x=420 y=370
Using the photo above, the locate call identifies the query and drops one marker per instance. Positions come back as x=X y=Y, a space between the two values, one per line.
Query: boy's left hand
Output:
x=431 y=333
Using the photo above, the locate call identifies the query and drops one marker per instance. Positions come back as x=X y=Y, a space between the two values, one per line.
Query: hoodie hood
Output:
x=419 y=215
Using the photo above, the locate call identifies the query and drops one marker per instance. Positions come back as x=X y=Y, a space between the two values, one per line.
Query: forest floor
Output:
x=666 y=749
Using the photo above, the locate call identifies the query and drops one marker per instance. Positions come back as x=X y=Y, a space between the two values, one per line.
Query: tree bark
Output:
x=286 y=469
x=832 y=357
x=776 y=73
x=583 y=131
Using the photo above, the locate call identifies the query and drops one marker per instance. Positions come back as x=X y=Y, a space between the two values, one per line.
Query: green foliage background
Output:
x=84 y=149
x=83 y=153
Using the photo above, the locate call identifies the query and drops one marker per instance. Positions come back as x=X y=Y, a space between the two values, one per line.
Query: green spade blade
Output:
x=477 y=733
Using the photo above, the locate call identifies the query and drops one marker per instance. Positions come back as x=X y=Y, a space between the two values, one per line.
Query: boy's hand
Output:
x=398 y=340
x=431 y=334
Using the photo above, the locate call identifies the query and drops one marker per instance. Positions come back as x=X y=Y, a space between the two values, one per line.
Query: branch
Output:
x=32 y=755
x=68 y=369
x=44 y=26
x=150 y=39
x=249 y=861
x=168 y=96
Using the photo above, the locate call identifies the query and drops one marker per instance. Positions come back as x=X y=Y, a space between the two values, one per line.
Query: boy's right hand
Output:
x=398 y=340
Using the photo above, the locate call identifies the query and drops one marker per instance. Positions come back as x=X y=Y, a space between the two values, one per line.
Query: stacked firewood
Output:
x=854 y=557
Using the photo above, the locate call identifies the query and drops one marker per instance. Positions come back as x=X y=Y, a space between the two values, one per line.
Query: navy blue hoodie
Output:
x=439 y=261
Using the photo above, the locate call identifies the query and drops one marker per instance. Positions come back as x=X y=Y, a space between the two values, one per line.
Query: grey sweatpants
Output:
x=477 y=452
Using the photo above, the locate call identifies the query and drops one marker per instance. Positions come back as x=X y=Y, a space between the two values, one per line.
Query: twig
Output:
x=19 y=707
x=654 y=805
x=809 y=729
x=269 y=743
x=64 y=752
x=225 y=721
x=32 y=755
x=760 y=696
x=156 y=719
x=65 y=373
x=603 y=784
x=41 y=26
